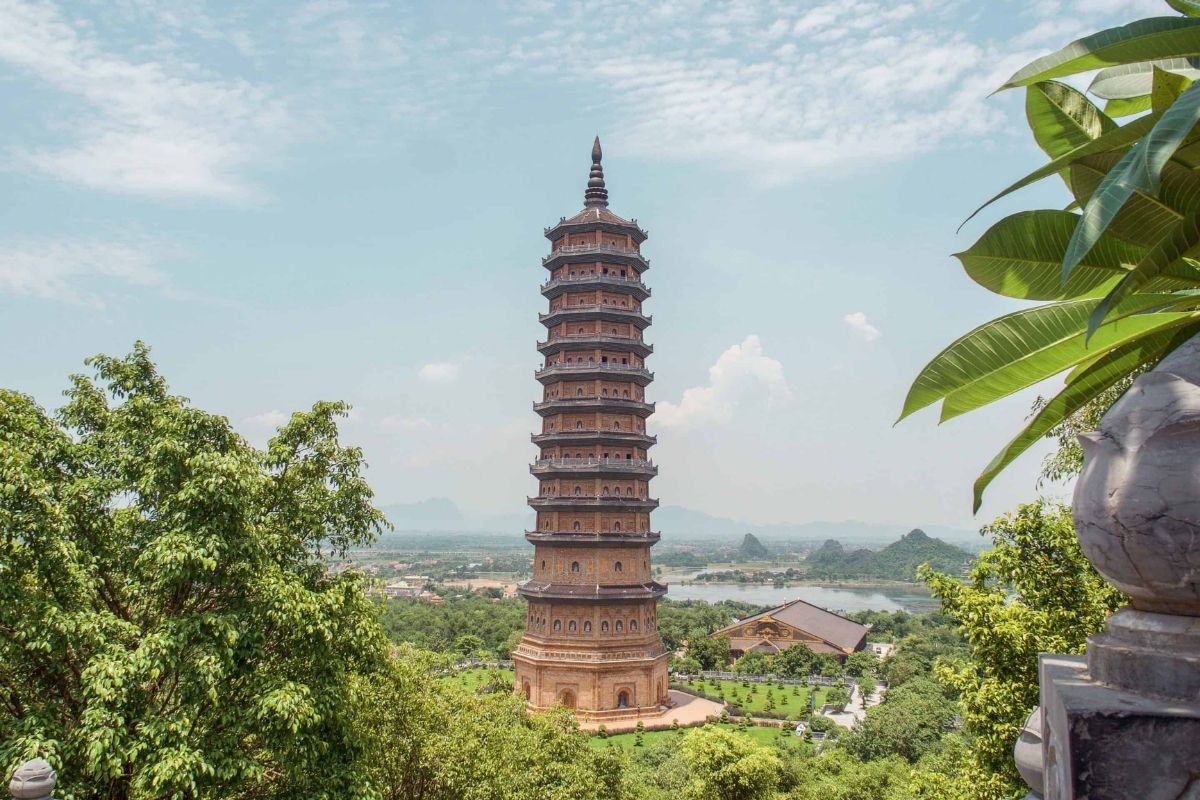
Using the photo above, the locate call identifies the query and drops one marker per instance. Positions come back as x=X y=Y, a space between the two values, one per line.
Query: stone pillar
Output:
x=1123 y=721
x=33 y=780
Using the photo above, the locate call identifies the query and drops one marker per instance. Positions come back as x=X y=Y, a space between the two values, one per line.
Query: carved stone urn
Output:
x=1137 y=513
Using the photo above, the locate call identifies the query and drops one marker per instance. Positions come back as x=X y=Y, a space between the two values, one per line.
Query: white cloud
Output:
x=864 y=330
x=268 y=419
x=742 y=374
x=150 y=127
x=406 y=423
x=439 y=372
x=65 y=270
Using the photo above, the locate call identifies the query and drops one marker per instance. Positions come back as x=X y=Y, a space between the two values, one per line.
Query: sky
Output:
x=345 y=200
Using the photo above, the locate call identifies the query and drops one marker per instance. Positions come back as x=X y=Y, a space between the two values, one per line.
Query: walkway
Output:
x=687 y=709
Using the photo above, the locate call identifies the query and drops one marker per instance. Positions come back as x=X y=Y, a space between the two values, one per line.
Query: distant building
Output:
x=795 y=623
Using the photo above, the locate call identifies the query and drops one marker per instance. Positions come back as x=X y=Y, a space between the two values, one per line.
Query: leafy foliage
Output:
x=167 y=628
x=1034 y=592
x=1121 y=275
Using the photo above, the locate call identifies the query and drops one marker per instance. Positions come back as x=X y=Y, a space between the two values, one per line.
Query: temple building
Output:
x=591 y=640
x=795 y=623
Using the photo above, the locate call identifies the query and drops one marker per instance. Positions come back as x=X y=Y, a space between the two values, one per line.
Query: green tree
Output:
x=725 y=766
x=470 y=646
x=167 y=625
x=710 y=653
x=1033 y=592
x=909 y=723
x=1118 y=276
x=864 y=662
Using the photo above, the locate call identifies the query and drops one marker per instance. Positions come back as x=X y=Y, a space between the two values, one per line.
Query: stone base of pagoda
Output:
x=618 y=686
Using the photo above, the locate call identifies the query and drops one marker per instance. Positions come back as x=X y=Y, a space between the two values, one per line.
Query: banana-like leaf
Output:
x=1133 y=80
x=1184 y=240
x=1139 y=170
x=1082 y=387
x=1124 y=107
x=1021 y=256
x=1149 y=39
x=1188 y=7
x=1062 y=119
x=1013 y=342
x=1052 y=356
x=1116 y=139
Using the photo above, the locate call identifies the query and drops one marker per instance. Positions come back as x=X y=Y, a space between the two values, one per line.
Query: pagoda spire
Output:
x=596 y=195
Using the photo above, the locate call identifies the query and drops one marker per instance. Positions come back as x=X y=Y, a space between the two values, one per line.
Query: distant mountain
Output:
x=752 y=549
x=678 y=522
x=897 y=562
x=442 y=515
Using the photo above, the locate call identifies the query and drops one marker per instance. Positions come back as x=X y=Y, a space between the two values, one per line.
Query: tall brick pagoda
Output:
x=591 y=640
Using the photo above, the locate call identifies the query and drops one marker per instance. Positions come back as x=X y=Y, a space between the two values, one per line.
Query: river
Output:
x=835 y=598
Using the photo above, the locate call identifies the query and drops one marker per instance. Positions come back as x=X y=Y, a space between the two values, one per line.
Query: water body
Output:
x=835 y=598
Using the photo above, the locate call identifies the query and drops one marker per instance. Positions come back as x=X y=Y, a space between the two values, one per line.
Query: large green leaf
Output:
x=1124 y=107
x=1139 y=170
x=1011 y=344
x=1021 y=256
x=1133 y=80
x=1082 y=387
x=1149 y=39
x=1062 y=118
x=1165 y=89
x=1183 y=240
x=1144 y=219
x=1048 y=358
x=1115 y=139
x=1189 y=7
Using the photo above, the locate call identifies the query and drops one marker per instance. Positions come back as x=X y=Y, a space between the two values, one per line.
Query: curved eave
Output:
x=565 y=404
x=593 y=313
x=565 y=372
x=570 y=502
x=574 y=343
x=552 y=289
x=651 y=590
x=592 y=539
x=565 y=226
x=594 y=436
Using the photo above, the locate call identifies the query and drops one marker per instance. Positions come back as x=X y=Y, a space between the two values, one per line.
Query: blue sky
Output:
x=339 y=200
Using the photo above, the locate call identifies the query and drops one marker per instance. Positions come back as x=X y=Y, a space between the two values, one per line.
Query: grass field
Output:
x=790 y=700
x=472 y=679
x=627 y=741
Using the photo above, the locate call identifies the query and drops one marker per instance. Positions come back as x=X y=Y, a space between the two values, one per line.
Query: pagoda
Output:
x=591 y=639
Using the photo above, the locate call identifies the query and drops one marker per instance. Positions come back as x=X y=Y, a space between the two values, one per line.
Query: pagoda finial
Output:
x=596 y=195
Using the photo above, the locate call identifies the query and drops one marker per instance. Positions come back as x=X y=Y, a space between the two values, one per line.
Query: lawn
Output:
x=790 y=700
x=472 y=679
x=626 y=741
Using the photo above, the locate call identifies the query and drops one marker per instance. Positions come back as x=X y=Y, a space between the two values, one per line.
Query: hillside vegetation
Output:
x=896 y=562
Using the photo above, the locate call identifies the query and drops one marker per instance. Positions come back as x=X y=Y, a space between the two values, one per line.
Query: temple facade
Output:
x=591 y=640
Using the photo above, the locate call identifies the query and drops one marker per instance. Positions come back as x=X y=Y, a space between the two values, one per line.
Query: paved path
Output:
x=687 y=708
x=856 y=710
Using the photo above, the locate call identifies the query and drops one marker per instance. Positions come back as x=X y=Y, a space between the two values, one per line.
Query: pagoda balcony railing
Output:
x=598 y=249
x=599 y=308
x=634 y=406
x=638 y=465
x=626 y=369
x=591 y=500
x=632 y=282
x=599 y=339
x=594 y=433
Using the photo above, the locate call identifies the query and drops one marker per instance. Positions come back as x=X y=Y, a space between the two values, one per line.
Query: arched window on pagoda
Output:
x=618 y=567
x=587 y=627
x=619 y=627
x=575 y=526
x=572 y=627
x=633 y=626
x=616 y=526
x=604 y=626
x=558 y=625
x=574 y=566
